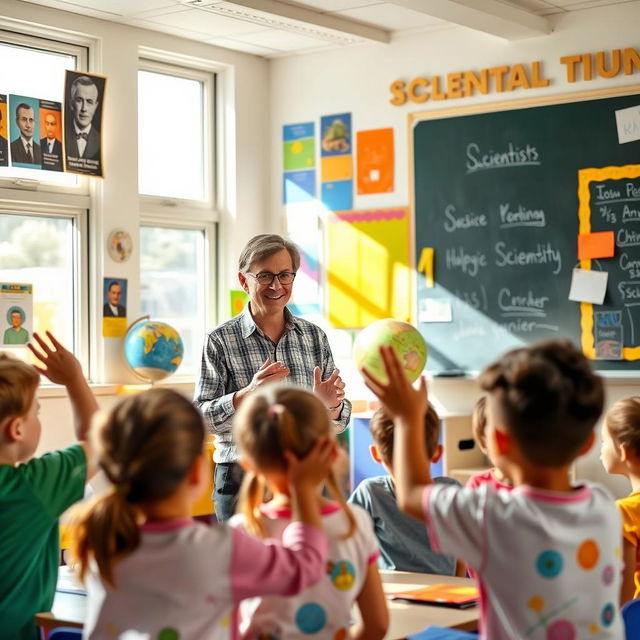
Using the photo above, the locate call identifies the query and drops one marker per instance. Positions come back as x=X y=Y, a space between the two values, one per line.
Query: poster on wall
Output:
x=24 y=132
x=336 y=149
x=375 y=161
x=16 y=313
x=50 y=114
x=299 y=160
x=4 y=145
x=83 y=105
x=114 y=308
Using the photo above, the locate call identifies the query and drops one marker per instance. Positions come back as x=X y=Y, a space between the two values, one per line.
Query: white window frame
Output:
x=191 y=209
x=33 y=37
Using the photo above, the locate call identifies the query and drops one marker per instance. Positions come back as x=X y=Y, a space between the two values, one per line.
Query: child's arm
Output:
x=407 y=407
x=628 y=587
x=373 y=608
x=62 y=367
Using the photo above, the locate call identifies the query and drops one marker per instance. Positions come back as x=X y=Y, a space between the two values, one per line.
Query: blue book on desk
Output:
x=443 y=633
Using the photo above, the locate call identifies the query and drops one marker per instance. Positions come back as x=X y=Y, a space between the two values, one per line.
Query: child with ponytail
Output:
x=270 y=422
x=149 y=569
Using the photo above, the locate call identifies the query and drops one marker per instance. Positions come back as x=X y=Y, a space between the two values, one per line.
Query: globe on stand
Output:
x=152 y=349
x=405 y=339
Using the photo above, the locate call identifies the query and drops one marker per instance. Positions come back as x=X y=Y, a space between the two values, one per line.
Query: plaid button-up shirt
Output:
x=235 y=350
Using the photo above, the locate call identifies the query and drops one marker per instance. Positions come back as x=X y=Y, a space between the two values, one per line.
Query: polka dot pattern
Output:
x=549 y=564
x=310 y=618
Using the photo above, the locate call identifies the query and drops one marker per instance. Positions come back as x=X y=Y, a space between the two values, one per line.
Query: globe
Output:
x=153 y=350
x=406 y=340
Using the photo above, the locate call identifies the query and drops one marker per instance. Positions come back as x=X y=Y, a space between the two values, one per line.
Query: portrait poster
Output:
x=51 y=132
x=4 y=133
x=83 y=108
x=114 y=307
x=16 y=313
x=375 y=161
x=24 y=132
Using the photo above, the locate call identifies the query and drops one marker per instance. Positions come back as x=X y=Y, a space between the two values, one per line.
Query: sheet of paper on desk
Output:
x=448 y=595
x=68 y=581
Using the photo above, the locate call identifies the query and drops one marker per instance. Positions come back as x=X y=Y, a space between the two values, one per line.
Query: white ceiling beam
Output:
x=299 y=14
x=489 y=16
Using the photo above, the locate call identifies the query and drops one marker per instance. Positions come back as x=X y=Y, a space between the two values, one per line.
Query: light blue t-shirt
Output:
x=404 y=545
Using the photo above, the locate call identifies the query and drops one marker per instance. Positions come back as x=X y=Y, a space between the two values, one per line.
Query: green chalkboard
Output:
x=496 y=197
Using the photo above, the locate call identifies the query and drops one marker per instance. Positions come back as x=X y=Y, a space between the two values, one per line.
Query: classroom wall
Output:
x=356 y=80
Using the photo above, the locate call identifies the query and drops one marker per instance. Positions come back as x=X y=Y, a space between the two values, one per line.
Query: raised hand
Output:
x=331 y=391
x=59 y=364
x=314 y=468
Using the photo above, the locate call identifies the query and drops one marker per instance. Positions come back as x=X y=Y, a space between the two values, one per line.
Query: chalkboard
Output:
x=501 y=196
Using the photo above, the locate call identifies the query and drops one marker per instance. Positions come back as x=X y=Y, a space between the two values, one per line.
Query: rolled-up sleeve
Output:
x=328 y=365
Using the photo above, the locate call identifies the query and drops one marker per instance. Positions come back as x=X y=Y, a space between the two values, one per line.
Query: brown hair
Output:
x=270 y=421
x=146 y=446
x=548 y=398
x=264 y=246
x=623 y=422
x=479 y=420
x=381 y=426
x=18 y=384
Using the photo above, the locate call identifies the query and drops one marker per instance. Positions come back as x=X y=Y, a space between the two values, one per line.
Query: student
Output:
x=620 y=454
x=268 y=422
x=547 y=554
x=494 y=476
x=153 y=572
x=404 y=545
x=35 y=491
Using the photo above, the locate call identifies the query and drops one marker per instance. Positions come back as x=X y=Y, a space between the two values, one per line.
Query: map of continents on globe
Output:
x=153 y=350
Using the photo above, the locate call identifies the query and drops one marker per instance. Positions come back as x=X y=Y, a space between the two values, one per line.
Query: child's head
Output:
x=547 y=398
x=381 y=426
x=147 y=446
x=19 y=424
x=621 y=434
x=268 y=422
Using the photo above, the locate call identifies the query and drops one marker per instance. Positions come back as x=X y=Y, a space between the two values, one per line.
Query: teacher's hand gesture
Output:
x=268 y=372
x=331 y=391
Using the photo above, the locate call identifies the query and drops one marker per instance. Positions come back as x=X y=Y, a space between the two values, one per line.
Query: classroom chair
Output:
x=443 y=633
x=64 y=633
x=631 y=619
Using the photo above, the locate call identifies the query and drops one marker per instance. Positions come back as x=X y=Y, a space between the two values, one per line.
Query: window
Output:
x=174 y=140
x=173 y=285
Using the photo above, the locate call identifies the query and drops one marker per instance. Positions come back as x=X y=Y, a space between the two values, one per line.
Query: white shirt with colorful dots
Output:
x=184 y=580
x=322 y=611
x=548 y=563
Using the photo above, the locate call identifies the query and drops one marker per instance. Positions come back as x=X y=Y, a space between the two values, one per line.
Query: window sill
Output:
x=58 y=391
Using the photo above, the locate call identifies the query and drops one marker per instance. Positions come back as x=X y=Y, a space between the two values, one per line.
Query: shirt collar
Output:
x=249 y=326
x=78 y=130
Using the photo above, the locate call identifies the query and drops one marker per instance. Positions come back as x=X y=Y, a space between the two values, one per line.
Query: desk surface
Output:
x=69 y=609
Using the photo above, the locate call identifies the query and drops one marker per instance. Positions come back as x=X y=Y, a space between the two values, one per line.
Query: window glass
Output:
x=173 y=285
x=171 y=144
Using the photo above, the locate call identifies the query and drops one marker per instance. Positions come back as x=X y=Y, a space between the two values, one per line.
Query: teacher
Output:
x=265 y=343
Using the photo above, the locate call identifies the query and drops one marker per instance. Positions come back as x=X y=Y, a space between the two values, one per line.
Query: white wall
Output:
x=356 y=80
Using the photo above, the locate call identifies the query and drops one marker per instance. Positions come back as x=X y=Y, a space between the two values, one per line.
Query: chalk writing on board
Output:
x=520 y=216
x=545 y=253
x=465 y=221
x=513 y=156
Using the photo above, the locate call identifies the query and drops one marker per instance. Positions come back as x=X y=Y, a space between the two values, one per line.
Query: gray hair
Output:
x=85 y=81
x=264 y=246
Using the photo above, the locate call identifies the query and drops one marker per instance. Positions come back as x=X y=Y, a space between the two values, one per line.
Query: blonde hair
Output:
x=623 y=422
x=479 y=420
x=18 y=384
x=268 y=422
x=146 y=446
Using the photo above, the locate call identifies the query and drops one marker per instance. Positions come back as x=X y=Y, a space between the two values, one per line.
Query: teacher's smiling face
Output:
x=268 y=298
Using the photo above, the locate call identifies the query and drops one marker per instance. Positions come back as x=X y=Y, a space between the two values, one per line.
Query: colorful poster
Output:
x=84 y=97
x=114 y=308
x=299 y=186
x=4 y=145
x=237 y=299
x=24 y=132
x=336 y=149
x=16 y=313
x=299 y=160
x=375 y=161
x=369 y=274
x=50 y=114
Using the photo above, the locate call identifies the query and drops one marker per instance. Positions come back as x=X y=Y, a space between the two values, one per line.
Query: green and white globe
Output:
x=406 y=340
x=153 y=350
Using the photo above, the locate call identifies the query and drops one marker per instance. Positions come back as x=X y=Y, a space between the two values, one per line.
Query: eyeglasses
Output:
x=266 y=277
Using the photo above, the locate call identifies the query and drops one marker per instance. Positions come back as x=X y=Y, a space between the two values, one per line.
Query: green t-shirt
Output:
x=32 y=497
x=11 y=336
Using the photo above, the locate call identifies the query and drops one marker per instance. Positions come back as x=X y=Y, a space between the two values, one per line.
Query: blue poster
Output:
x=299 y=186
x=338 y=195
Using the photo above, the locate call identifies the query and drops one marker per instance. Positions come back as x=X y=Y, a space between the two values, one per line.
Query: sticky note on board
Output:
x=596 y=245
x=588 y=286
x=425 y=265
x=628 y=124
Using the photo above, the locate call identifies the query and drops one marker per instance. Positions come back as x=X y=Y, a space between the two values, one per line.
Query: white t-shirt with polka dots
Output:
x=322 y=611
x=548 y=563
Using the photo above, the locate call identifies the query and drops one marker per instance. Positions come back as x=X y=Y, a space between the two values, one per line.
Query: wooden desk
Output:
x=406 y=618
x=69 y=609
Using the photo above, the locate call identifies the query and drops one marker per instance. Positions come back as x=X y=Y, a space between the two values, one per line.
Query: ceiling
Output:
x=275 y=28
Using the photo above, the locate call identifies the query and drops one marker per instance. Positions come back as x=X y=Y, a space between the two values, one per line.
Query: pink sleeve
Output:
x=431 y=531
x=264 y=567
